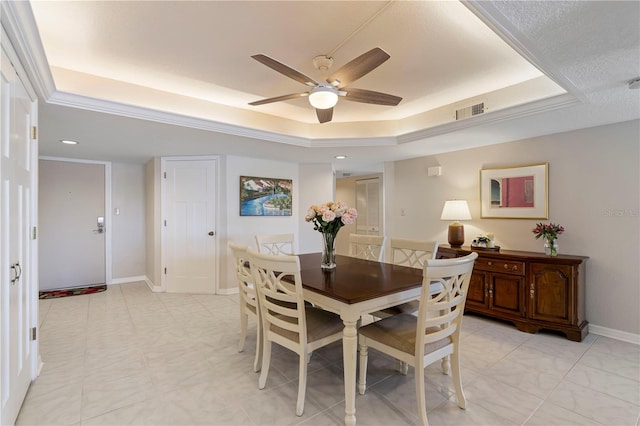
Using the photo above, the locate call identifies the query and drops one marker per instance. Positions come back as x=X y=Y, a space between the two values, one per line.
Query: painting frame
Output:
x=528 y=200
x=264 y=196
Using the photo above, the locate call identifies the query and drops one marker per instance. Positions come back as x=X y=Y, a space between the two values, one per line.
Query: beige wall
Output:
x=128 y=234
x=152 y=223
x=594 y=189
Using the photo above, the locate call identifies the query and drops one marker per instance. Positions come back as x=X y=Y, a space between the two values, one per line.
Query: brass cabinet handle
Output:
x=532 y=291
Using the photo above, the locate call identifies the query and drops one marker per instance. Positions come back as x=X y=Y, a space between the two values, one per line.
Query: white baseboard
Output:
x=152 y=286
x=614 y=334
x=127 y=280
x=228 y=291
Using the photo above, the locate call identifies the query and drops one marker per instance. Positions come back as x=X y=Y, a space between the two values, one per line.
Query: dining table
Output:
x=353 y=288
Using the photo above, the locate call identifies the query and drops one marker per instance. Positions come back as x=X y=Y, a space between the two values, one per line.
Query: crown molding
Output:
x=131 y=111
x=18 y=21
x=492 y=117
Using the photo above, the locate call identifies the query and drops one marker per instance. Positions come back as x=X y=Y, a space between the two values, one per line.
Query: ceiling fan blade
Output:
x=284 y=69
x=358 y=67
x=371 y=97
x=324 y=115
x=279 y=98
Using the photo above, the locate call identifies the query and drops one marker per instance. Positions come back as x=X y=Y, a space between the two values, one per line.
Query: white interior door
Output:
x=72 y=245
x=190 y=260
x=17 y=219
x=369 y=206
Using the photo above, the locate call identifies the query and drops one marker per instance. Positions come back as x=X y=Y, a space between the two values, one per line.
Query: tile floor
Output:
x=130 y=356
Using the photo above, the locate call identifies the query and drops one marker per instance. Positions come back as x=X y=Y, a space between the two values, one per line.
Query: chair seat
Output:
x=399 y=332
x=320 y=324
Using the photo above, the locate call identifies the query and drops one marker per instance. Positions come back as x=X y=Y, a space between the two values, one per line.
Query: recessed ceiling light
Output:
x=340 y=157
x=69 y=142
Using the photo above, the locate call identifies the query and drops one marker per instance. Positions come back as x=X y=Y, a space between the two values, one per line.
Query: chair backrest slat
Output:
x=368 y=247
x=275 y=243
x=412 y=253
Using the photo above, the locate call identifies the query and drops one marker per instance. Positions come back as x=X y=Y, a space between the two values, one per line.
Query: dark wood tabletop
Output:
x=356 y=280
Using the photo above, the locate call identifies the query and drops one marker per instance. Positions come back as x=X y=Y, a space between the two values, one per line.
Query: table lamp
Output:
x=456 y=210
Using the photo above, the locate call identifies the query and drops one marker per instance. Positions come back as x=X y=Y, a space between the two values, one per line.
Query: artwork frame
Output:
x=515 y=192
x=263 y=196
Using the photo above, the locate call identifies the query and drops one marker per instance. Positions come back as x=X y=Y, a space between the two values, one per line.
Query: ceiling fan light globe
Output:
x=323 y=97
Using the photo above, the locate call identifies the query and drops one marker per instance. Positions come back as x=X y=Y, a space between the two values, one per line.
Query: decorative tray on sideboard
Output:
x=496 y=248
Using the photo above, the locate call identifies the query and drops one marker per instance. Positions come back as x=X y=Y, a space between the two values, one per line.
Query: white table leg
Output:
x=350 y=356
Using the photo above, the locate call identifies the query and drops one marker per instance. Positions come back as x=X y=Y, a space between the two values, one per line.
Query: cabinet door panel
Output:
x=551 y=292
x=477 y=295
x=507 y=292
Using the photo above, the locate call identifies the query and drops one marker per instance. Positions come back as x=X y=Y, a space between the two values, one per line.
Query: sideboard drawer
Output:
x=499 y=265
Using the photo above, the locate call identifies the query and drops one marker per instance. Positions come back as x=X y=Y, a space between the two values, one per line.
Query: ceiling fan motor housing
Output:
x=322 y=62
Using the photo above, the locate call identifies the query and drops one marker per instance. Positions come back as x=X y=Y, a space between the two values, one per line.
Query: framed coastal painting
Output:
x=262 y=196
x=517 y=192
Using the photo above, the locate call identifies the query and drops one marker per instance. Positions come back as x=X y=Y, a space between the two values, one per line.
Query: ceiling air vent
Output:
x=470 y=111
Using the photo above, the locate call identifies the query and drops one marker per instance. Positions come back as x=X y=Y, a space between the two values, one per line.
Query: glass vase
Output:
x=328 y=250
x=551 y=247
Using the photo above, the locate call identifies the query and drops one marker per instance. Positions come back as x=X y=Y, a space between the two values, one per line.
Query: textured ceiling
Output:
x=539 y=67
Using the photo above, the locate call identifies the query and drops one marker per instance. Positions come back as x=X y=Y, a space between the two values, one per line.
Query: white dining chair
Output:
x=286 y=319
x=249 y=306
x=368 y=247
x=433 y=335
x=275 y=243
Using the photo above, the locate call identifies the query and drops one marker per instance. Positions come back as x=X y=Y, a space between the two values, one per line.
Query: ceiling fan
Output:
x=324 y=96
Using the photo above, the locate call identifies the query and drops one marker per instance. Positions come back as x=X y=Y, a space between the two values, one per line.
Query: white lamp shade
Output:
x=456 y=210
x=323 y=97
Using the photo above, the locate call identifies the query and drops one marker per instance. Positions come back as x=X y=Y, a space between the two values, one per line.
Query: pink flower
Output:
x=347 y=219
x=328 y=215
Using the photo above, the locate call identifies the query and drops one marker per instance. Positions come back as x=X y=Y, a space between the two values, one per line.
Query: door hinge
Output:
x=165 y=222
x=34 y=132
x=165 y=271
x=34 y=333
x=34 y=232
x=165 y=175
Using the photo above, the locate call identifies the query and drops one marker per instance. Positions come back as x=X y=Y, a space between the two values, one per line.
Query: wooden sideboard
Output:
x=531 y=290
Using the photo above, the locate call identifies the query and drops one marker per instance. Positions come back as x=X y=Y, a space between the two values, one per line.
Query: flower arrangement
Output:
x=548 y=231
x=331 y=216
x=328 y=218
x=485 y=241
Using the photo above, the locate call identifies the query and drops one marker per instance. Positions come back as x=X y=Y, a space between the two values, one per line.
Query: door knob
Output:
x=211 y=233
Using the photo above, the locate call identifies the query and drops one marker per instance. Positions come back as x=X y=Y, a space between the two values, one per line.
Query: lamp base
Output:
x=456 y=235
